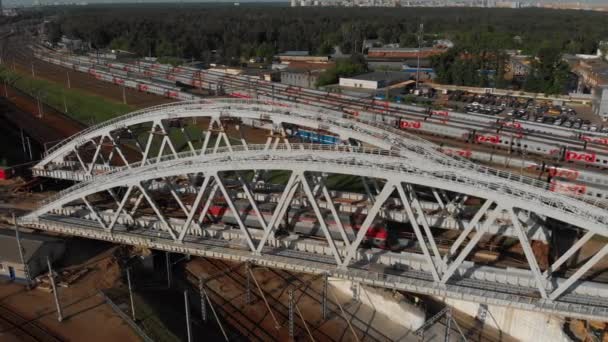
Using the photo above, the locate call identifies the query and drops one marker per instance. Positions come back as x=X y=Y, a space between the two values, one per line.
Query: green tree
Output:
x=343 y=68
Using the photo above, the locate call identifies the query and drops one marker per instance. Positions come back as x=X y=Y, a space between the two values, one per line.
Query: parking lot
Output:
x=527 y=109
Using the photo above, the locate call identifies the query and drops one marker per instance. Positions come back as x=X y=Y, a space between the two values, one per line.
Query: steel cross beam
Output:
x=569 y=253
x=469 y=246
x=157 y=211
x=425 y=224
x=321 y=219
x=252 y=202
x=388 y=189
x=120 y=207
x=279 y=212
x=205 y=210
x=419 y=236
x=116 y=146
x=532 y=262
x=94 y=213
x=195 y=205
x=579 y=273
x=237 y=215
x=463 y=235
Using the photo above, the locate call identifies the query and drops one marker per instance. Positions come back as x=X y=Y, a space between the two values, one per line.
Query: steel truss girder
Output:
x=300 y=160
x=358 y=162
x=346 y=127
x=396 y=281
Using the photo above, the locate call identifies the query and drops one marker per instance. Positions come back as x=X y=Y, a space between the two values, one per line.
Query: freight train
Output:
x=303 y=222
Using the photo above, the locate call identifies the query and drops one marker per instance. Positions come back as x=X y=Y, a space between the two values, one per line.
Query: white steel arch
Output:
x=397 y=174
x=379 y=135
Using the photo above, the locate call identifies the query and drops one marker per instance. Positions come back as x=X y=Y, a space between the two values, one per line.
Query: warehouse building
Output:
x=300 y=56
x=593 y=74
x=401 y=53
x=374 y=80
x=36 y=249
x=300 y=78
x=600 y=101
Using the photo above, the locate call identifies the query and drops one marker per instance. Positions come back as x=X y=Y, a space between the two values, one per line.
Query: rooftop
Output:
x=400 y=49
x=295 y=53
x=308 y=66
x=597 y=67
x=30 y=243
x=388 y=76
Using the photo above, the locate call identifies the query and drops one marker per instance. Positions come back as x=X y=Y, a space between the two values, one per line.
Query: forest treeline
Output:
x=231 y=33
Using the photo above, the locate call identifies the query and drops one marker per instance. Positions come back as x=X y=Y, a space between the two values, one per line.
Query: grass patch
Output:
x=82 y=106
x=170 y=60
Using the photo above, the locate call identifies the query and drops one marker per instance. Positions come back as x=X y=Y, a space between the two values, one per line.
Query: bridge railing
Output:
x=413 y=143
x=347 y=156
x=224 y=152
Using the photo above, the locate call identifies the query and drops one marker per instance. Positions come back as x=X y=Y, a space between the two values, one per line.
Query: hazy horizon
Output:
x=20 y=3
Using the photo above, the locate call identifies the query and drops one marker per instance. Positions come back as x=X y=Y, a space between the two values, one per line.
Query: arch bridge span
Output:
x=371 y=214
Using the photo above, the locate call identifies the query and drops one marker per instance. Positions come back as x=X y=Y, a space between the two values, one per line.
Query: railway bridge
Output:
x=316 y=191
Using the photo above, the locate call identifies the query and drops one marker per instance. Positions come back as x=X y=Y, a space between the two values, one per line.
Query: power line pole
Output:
x=65 y=104
x=131 y=293
x=29 y=145
x=21 y=257
x=201 y=289
x=23 y=144
x=419 y=51
x=168 y=262
x=187 y=308
x=52 y=280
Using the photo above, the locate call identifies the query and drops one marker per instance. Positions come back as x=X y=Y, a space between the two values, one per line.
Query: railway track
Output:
x=545 y=151
x=312 y=294
x=22 y=328
x=278 y=308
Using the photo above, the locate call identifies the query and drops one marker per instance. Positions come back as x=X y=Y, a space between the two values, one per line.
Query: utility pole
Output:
x=33 y=73
x=21 y=257
x=52 y=280
x=124 y=95
x=201 y=289
x=419 y=51
x=187 y=308
x=168 y=262
x=324 y=307
x=131 y=293
x=65 y=104
x=69 y=83
x=29 y=145
x=39 y=106
x=23 y=144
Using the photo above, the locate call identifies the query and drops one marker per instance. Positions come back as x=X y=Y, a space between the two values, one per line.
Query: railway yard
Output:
x=571 y=160
x=569 y=157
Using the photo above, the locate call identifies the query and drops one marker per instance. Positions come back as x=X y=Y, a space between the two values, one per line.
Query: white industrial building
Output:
x=600 y=101
x=373 y=80
x=36 y=249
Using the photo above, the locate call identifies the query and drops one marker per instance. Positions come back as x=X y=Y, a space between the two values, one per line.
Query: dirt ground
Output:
x=256 y=323
x=86 y=315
